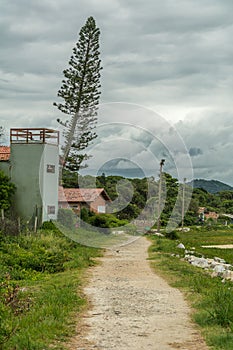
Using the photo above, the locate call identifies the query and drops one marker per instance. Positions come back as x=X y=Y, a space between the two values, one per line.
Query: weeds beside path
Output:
x=41 y=281
x=133 y=308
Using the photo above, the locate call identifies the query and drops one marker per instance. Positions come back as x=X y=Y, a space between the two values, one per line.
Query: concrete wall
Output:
x=36 y=189
x=25 y=165
x=49 y=178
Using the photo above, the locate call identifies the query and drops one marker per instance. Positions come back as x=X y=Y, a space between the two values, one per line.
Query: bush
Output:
x=106 y=221
x=7 y=189
x=172 y=235
x=48 y=225
x=9 y=227
x=86 y=214
x=30 y=253
x=66 y=217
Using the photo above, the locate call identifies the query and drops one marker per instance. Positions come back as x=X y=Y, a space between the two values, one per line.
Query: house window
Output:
x=50 y=168
x=101 y=208
x=51 y=209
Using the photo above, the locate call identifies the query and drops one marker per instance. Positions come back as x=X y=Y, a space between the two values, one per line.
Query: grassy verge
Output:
x=41 y=280
x=210 y=298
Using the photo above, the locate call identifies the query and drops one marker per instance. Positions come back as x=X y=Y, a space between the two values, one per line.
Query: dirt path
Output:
x=133 y=308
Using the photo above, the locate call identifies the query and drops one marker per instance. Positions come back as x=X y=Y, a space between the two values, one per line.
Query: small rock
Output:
x=200 y=262
x=158 y=234
x=228 y=275
x=219 y=260
x=219 y=269
x=181 y=246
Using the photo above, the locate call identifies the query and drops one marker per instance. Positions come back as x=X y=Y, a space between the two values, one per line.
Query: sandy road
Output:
x=133 y=308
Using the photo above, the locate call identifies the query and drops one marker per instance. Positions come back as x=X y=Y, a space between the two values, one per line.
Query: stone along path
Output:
x=133 y=308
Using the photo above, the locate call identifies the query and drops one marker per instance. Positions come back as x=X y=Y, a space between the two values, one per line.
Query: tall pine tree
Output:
x=80 y=92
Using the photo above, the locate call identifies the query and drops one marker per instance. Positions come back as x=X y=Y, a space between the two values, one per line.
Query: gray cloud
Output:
x=195 y=151
x=174 y=57
x=213 y=133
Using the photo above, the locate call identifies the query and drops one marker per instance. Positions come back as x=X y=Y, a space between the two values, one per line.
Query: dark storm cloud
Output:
x=195 y=151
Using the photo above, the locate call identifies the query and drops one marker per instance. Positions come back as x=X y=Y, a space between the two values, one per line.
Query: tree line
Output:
x=137 y=195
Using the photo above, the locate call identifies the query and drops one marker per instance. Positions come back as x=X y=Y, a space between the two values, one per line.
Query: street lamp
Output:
x=160 y=190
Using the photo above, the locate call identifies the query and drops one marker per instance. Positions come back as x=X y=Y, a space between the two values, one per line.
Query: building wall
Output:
x=35 y=188
x=25 y=166
x=99 y=205
x=92 y=206
x=49 y=178
x=211 y=215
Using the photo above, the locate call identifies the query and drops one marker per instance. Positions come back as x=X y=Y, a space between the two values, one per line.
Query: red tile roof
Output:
x=5 y=153
x=81 y=194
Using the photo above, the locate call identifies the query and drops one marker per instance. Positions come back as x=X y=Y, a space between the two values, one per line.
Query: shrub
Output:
x=9 y=227
x=172 y=235
x=106 y=221
x=66 y=217
x=7 y=189
x=33 y=254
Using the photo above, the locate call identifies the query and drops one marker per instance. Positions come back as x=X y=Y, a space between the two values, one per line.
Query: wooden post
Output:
x=19 y=225
x=183 y=202
x=2 y=214
x=35 y=224
x=160 y=190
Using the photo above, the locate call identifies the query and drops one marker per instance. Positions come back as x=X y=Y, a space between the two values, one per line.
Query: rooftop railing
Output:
x=34 y=135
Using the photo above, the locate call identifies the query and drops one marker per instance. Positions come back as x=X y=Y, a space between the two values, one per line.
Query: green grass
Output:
x=211 y=299
x=98 y=239
x=199 y=237
x=51 y=318
x=39 y=304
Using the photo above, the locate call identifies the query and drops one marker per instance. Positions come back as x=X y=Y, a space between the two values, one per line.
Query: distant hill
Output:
x=211 y=186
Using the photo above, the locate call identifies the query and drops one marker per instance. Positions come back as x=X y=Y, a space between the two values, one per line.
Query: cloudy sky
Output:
x=173 y=57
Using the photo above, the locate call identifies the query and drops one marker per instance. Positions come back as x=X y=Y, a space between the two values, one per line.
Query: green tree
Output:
x=7 y=189
x=80 y=92
x=171 y=192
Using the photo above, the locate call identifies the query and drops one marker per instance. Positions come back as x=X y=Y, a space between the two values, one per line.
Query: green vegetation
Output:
x=146 y=189
x=8 y=222
x=40 y=288
x=211 y=186
x=101 y=220
x=114 y=184
x=221 y=202
x=7 y=189
x=95 y=230
x=210 y=298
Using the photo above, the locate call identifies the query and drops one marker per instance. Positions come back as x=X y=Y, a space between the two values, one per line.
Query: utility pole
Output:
x=160 y=190
x=183 y=199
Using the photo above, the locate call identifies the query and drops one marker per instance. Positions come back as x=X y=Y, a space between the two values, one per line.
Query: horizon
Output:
x=129 y=173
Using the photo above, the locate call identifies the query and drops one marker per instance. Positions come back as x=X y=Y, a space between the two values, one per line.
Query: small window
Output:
x=50 y=168
x=51 y=209
x=101 y=209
